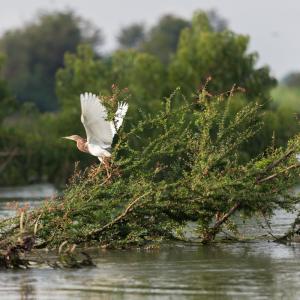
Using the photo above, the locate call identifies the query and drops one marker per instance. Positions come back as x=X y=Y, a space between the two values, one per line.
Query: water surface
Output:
x=252 y=270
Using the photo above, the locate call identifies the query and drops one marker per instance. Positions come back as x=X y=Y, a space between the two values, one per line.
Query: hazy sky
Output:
x=272 y=24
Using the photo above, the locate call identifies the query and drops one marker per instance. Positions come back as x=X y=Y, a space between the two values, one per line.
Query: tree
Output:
x=217 y=22
x=203 y=53
x=162 y=39
x=7 y=103
x=36 y=52
x=141 y=73
x=82 y=71
x=292 y=79
x=131 y=36
x=185 y=171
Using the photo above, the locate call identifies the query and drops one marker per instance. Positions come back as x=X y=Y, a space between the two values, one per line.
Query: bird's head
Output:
x=72 y=137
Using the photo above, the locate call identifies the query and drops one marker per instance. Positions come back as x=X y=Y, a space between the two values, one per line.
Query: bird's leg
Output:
x=107 y=167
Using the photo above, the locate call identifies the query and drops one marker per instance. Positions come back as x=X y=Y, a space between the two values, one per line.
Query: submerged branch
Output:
x=210 y=235
x=290 y=234
x=216 y=227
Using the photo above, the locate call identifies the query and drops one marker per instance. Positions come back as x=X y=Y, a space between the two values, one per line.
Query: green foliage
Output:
x=185 y=169
x=82 y=72
x=31 y=149
x=31 y=140
x=7 y=104
x=204 y=53
x=162 y=38
x=292 y=80
x=131 y=36
x=286 y=97
x=141 y=73
x=35 y=52
x=283 y=117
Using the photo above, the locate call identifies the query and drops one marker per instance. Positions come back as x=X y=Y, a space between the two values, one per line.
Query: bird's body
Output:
x=99 y=130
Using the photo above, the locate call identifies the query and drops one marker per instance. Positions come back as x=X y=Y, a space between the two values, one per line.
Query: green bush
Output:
x=178 y=166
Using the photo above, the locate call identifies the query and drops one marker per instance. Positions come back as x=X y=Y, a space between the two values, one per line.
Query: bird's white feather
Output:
x=120 y=114
x=98 y=151
x=99 y=130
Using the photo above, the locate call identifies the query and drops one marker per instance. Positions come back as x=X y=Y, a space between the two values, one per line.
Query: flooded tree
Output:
x=185 y=169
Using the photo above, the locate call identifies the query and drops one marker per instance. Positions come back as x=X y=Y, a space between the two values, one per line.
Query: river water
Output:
x=252 y=270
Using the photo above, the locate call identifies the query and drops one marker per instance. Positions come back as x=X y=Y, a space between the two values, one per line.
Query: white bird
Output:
x=99 y=131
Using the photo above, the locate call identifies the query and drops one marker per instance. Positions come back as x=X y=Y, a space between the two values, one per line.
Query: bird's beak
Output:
x=67 y=137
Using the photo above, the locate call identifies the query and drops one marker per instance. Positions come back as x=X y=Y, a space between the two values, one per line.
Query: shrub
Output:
x=185 y=169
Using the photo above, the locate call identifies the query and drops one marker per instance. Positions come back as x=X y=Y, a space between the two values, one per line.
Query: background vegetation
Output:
x=47 y=64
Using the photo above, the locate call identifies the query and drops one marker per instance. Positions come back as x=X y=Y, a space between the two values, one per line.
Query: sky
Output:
x=273 y=25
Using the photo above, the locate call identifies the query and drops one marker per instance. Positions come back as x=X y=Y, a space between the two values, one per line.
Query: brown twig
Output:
x=225 y=217
x=294 y=166
x=215 y=229
x=278 y=161
x=117 y=219
x=274 y=164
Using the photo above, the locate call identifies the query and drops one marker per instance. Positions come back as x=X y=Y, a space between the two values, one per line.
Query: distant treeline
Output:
x=48 y=63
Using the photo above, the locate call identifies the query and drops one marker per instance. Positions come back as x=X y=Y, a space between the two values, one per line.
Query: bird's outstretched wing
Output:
x=99 y=131
x=120 y=114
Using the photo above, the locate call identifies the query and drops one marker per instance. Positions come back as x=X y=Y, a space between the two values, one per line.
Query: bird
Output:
x=99 y=130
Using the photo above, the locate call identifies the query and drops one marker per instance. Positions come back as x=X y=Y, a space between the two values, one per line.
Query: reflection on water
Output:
x=231 y=271
x=257 y=270
x=29 y=192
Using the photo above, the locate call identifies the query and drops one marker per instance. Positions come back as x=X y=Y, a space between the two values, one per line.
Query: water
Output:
x=252 y=270
x=12 y=198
